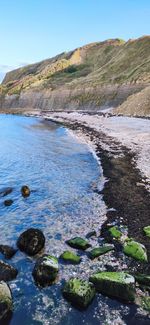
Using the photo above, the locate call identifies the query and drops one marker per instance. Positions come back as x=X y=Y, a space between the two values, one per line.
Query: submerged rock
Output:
x=45 y=270
x=7 y=272
x=79 y=243
x=6 y=191
x=31 y=241
x=91 y=234
x=70 y=257
x=115 y=232
x=98 y=251
x=79 y=292
x=7 y=203
x=115 y=284
x=7 y=251
x=147 y=231
x=25 y=191
x=6 y=304
x=142 y=279
x=135 y=250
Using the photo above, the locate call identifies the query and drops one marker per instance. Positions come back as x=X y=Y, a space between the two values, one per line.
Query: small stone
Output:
x=135 y=250
x=91 y=234
x=115 y=284
x=115 y=232
x=31 y=241
x=147 y=231
x=7 y=251
x=70 y=257
x=45 y=270
x=79 y=243
x=79 y=292
x=143 y=279
x=25 y=191
x=7 y=272
x=146 y=303
x=6 y=191
x=98 y=251
x=6 y=304
x=7 y=203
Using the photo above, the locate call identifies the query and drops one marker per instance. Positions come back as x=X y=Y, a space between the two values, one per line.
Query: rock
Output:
x=6 y=191
x=7 y=203
x=91 y=234
x=98 y=251
x=31 y=241
x=115 y=232
x=135 y=250
x=25 y=191
x=80 y=293
x=7 y=251
x=6 y=304
x=147 y=231
x=142 y=279
x=115 y=284
x=79 y=243
x=145 y=301
x=45 y=270
x=70 y=257
x=7 y=272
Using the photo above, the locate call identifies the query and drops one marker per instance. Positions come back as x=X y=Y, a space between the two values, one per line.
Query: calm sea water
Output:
x=63 y=175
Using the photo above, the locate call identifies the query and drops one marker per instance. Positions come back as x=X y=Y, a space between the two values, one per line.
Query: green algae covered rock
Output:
x=6 y=304
x=98 y=251
x=142 y=279
x=147 y=231
x=115 y=284
x=79 y=243
x=146 y=303
x=79 y=292
x=115 y=232
x=136 y=250
x=45 y=270
x=70 y=257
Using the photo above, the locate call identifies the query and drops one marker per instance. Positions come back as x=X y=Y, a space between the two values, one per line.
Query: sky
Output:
x=33 y=30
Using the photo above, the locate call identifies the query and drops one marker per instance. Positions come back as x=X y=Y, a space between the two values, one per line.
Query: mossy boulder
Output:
x=114 y=232
x=135 y=250
x=79 y=292
x=145 y=301
x=70 y=257
x=115 y=284
x=79 y=243
x=31 y=241
x=98 y=251
x=6 y=304
x=142 y=279
x=147 y=231
x=7 y=272
x=25 y=191
x=45 y=270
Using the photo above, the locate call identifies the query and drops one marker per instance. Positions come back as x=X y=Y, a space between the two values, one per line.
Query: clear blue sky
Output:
x=32 y=30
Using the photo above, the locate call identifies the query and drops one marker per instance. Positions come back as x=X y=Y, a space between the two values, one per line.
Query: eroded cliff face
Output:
x=92 y=77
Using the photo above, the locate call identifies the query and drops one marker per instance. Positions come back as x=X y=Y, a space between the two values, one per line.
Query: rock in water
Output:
x=25 y=191
x=7 y=251
x=146 y=303
x=79 y=292
x=147 y=231
x=70 y=257
x=7 y=203
x=98 y=251
x=31 y=241
x=136 y=250
x=79 y=243
x=5 y=301
x=5 y=191
x=115 y=284
x=45 y=270
x=7 y=272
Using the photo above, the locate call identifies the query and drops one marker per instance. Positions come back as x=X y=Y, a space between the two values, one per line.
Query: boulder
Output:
x=7 y=272
x=79 y=243
x=142 y=279
x=6 y=304
x=115 y=284
x=7 y=203
x=25 y=191
x=79 y=292
x=115 y=232
x=31 y=241
x=7 y=251
x=70 y=257
x=98 y=251
x=147 y=231
x=45 y=270
x=5 y=191
x=135 y=250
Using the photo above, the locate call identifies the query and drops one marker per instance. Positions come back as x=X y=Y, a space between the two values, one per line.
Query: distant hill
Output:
x=94 y=76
